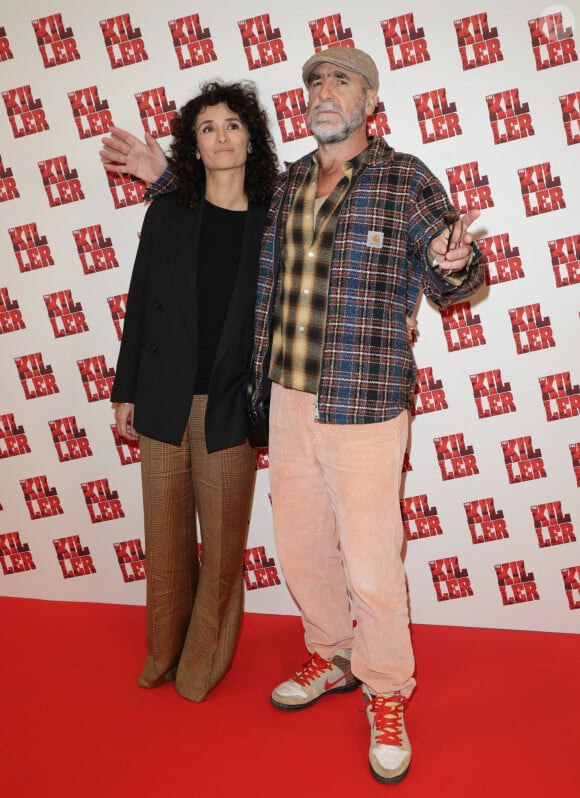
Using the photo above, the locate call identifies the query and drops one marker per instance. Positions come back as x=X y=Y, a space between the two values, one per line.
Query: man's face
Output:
x=339 y=102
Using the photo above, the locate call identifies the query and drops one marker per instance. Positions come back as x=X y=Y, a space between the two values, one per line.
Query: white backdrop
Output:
x=489 y=96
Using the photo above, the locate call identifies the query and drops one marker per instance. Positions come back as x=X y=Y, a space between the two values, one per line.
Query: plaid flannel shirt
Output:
x=379 y=263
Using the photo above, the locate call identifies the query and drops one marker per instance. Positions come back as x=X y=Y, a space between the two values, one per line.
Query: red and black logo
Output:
x=97 y=377
x=128 y=451
x=263 y=45
x=102 y=503
x=561 y=399
x=70 y=442
x=531 y=331
x=10 y=314
x=405 y=44
x=96 y=252
x=118 y=306
x=484 y=521
x=329 y=32
x=552 y=42
x=156 y=111
x=492 y=396
x=571 y=577
x=455 y=458
x=575 y=454
x=66 y=316
x=450 y=580
x=406 y=463
x=25 y=114
x=91 y=114
x=41 y=500
x=15 y=556
x=31 y=249
x=565 y=254
x=8 y=188
x=62 y=185
x=468 y=188
x=462 y=329
x=552 y=525
x=36 y=378
x=478 y=43
x=13 y=440
x=429 y=395
x=541 y=192
x=259 y=569
x=262 y=460
x=192 y=43
x=438 y=119
x=515 y=585
x=419 y=519
x=73 y=558
x=377 y=122
x=290 y=107
x=5 y=51
x=56 y=43
x=502 y=261
x=126 y=190
x=523 y=463
x=510 y=120
x=125 y=46
x=131 y=559
x=571 y=116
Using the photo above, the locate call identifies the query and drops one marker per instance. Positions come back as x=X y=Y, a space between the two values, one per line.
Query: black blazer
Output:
x=157 y=362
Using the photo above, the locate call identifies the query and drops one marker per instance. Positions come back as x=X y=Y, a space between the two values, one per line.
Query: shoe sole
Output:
x=348 y=688
x=385 y=780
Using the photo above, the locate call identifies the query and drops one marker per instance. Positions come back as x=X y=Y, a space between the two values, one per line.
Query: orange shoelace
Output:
x=388 y=712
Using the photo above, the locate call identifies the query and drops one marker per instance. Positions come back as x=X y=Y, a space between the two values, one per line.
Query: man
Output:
x=356 y=231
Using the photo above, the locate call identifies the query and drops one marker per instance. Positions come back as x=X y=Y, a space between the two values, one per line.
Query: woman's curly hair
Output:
x=262 y=163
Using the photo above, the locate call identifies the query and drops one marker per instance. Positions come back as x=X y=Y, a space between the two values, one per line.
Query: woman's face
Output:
x=222 y=138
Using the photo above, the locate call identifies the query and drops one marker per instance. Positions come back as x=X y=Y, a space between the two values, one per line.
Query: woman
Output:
x=181 y=382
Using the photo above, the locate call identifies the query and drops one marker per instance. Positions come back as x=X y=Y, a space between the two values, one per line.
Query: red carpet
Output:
x=496 y=714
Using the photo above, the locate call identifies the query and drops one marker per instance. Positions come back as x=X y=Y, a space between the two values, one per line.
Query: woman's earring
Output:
x=197 y=155
x=250 y=148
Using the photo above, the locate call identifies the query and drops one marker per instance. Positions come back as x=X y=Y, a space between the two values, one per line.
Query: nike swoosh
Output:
x=329 y=685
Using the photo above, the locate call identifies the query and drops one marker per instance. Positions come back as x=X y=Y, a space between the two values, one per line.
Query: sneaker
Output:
x=390 y=750
x=318 y=677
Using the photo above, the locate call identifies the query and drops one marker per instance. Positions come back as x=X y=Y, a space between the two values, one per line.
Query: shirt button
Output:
x=311 y=254
x=306 y=290
x=300 y=329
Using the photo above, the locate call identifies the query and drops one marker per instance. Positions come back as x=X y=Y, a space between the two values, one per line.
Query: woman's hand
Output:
x=124 y=153
x=124 y=412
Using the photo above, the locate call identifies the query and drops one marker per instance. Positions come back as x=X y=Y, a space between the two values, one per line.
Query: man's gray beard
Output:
x=345 y=129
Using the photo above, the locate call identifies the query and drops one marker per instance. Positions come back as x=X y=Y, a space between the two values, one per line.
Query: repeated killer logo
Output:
x=128 y=451
x=25 y=114
x=15 y=556
x=510 y=120
x=36 y=378
x=552 y=526
x=56 y=43
x=406 y=463
x=484 y=521
x=41 y=500
x=377 y=122
x=565 y=254
x=429 y=395
x=10 y=314
x=5 y=51
x=156 y=111
x=450 y=580
x=118 y=306
x=70 y=442
x=91 y=114
x=192 y=43
x=31 y=249
x=561 y=399
x=328 y=32
x=62 y=185
x=290 y=107
x=438 y=119
x=575 y=454
x=571 y=116
x=502 y=261
x=571 y=577
x=8 y=188
x=468 y=188
x=96 y=252
x=97 y=377
x=102 y=503
x=73 y=558
x=124 y=45
x=531 y=332
x=541 y=192
x=552 y=43
x=262 y=45
x=259 y=569
x=262 y=460
x=523 y=463
x=125 y=190
x=131 y=559
x=462 y=329
x=455 y=459
x=419 y=520
x=478 y=44
x=13 y=440
x=66 y=316
x=492 y=396
x=405 y=44
x=515 y=585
